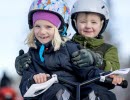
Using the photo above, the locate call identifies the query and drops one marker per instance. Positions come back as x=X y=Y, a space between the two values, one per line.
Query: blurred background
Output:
x=14 y=29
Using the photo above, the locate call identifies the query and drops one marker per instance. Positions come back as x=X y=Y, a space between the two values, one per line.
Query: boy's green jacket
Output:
x=108 y=52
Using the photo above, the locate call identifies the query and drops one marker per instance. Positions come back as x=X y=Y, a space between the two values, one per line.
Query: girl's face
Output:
x=89 y=25
x=44 y=31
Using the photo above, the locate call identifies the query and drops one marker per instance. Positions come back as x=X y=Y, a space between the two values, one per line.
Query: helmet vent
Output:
x=103 y=7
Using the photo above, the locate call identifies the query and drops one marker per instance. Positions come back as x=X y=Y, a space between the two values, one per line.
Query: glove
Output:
x=86 y=57
x=22 y=62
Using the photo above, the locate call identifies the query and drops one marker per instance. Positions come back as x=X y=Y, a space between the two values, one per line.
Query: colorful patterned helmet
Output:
x=96 y=6
x=58 y=7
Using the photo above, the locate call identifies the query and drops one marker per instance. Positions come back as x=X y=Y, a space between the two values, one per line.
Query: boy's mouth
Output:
x=88 y=31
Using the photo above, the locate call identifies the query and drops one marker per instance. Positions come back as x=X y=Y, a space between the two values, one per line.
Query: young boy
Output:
x=89 y=19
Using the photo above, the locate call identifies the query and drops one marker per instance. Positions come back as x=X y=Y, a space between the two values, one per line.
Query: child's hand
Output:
x=116 y=79
x=40 y=78
x=86 y=57
x=22 y=62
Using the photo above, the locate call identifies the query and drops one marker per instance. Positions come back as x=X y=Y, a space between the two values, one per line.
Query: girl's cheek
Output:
x=36 y=31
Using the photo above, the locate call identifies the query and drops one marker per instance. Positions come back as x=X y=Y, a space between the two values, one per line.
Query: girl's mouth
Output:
x=43 y=37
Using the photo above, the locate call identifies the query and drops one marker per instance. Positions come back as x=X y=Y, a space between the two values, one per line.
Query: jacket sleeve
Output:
x=27 y=80
x=111 y=59
x=86 y=72
x=90 y=73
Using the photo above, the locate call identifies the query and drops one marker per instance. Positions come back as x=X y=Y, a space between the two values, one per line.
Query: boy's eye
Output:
x=94 y=22
x=82 y=22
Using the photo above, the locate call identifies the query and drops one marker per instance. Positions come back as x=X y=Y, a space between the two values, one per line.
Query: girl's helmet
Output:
x=96 y=6
x=58 y=7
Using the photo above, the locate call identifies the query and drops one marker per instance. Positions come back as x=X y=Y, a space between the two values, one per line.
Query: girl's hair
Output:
x=56 y=42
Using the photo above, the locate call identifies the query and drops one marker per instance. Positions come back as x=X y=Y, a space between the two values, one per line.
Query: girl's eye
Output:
x=37 y=26
x=48 y=27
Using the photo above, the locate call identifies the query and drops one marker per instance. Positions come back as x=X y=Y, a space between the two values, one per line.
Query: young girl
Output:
x=50 y=52
x=89 y=19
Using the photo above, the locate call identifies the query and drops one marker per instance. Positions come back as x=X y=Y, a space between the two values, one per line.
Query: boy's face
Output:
x=44 y=31
x=89 y=25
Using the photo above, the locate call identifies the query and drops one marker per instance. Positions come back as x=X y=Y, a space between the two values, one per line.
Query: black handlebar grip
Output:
x=124 y=83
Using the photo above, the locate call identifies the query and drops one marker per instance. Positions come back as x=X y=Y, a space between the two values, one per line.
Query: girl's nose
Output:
x=42 y=30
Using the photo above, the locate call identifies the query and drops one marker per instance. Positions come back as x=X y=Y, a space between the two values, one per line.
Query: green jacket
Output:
x=108 y=52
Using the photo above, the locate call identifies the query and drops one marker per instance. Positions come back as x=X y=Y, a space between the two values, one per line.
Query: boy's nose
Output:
x=87 y=26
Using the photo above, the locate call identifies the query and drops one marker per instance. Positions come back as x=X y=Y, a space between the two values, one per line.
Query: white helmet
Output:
x=96 y=6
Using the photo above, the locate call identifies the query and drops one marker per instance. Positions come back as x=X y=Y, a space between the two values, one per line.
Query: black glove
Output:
x=22 y=62
x=86 y=57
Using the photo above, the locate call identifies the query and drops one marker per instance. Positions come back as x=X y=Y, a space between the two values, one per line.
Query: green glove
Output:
x=22 y=62
x=86 y=57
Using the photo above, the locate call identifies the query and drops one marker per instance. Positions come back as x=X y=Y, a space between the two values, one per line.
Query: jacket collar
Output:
x=48 y=46
x=88 y=42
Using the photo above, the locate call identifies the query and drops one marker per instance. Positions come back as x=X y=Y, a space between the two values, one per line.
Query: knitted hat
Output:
x=40 y=15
